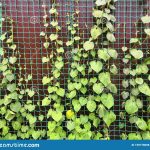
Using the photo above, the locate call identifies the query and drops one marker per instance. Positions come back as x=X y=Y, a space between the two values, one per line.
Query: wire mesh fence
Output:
x=28 y=23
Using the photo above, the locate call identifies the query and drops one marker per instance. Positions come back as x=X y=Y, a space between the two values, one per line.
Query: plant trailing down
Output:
x=139 y=85
x=89 y=93
x=55 y=91
x=14 y=113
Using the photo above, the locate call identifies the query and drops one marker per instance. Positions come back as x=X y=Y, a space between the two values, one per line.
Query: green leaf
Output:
x=54 y=23
x=141 y=124
x=2 y=123
x=144 y=88
x=112 y=88
x=77 y=107
x=91 y=105
x=60 y=92
x=51 y=125
x=96 y=32
x=46 y=101
x=13 y=47
x=113 y=69
x=1 y=51
x=134 y=40
x=145 y=19
x=139 y=80
x=46 y=44
x=147 y=31
x=77 y=86
x=142 y=68
x=16 y=125
x=45 y=59
x=110 y=26
x=109 y=118
x=134 y=136
x=57 y=116
x=31 y=93
x=36 y=134
x=98 y=88
x=96 y=66
x=72 y=94
x=70 y=125
x=100 y=2
x=146 y=135
x=59 y=64
x=12 y=60
x=60 y=50
x=10 y=77
x=15 y=106
x=103 y=54
x=83 y=101
x=11 y=87
x=110 y=36
x=83 y=119
x=104 y=78
x=53 y=37
x=9 y=115
x=88 y=45
x=137 y=54
x=73 y=73
x=131 y=107
x=84 y=81
x=112 y=53
x=46 y=80
x=69 y=43
x=107 y=100
x=97 y=13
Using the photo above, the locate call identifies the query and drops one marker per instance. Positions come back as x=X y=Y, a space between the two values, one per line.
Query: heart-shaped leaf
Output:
x=91 y=105
x=88 y=45
x=137 y=54
x=96 y=32
x=60 y=92
x=45 y=80
x=59 y=64
x=83 y=101
x=104 y=78
x=10 y=77
x=109 y=118
x=11 y=87
x=107 y=100
x=57 y=116
x=141 y=124
x=96 y=66
x=53 y=37
x=46 y=44
x=77 y=86
x=145 y=19
x=147 y=31
x=131 y=107
x=45 y=59
x=12 y=60
x=110 y=36
x=103 y=54
x=15 y=107
x=98 y=88
x=31 y=93
x=144 y=88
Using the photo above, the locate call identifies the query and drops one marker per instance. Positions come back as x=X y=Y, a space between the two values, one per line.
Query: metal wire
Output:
x=27 y=15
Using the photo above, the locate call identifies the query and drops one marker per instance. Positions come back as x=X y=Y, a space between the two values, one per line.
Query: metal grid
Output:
x=27 y=15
